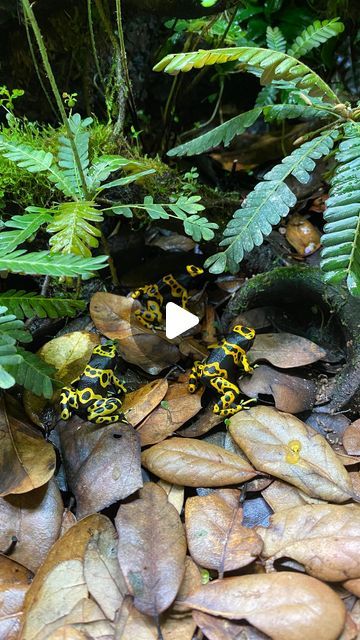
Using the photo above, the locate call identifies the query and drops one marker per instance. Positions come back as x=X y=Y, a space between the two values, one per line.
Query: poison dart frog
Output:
x=154 y=297
x=97 y=394
x=221 y=367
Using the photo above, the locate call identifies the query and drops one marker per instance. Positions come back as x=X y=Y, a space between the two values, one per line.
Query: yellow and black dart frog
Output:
x=97 y=394
x=221 y=368
x=154 y=297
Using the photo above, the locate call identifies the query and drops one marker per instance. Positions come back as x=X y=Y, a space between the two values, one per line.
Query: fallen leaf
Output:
x=189 y=347
x=27 y=461
x=209 y=325
x=59 y=594
x=286 y=606
x=207 y=420
x=190 y=583
x=221 y=629
x=195 y=463
x=353 y=585
x=67 y=633
x=68 y=354
x=68 y=520
x=175 y=494
x=151 y=549
x=34 y=519
x=302 y=235
x=351 y=438
x=102 y=463
x=285 y=350
x=14 y=583
x=114 y=317
x=172 y=242
x=291 y=393
x=177 y=408
x=215 y=534
x=282 y=445
x=324 y=538
x=281 y=495
x=258 y=318
x=138 y=404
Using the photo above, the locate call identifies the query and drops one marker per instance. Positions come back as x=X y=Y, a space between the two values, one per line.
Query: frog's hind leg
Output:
x=194 y=377
x=118 y=384
x=235 y=407
x=151 y=316
x=106 y=411
x=229 y=403
x=68 y=402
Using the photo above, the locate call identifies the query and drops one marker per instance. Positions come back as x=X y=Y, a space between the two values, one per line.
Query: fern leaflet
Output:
x=275 y=39
x=288 y=111
x=315 y=35
x=12 y=329
x=33 y=373
x=24 y=227
x=267 y=204
x=66 y=157
x=25 y=304
x=43 y=263
x=25 y=156
x=72 y=228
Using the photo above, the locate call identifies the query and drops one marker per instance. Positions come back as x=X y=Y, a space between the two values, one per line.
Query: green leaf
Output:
x=33 y=373
x=275 y=39
x=155 y=211
x=25 y=304
x=25 y=226
x=341 y=239
x=121 y=182
x=288 y=111
x=66 y=158
x=12 y=329
x=270 y=65
x=224 y=133
x=72 y=228
x=268 y=203
x=25 y=156
x=314 y=35
x=46 y=264
x=103 y=166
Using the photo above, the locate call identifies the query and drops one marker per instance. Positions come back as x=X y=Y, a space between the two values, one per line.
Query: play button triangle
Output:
x=178 y=320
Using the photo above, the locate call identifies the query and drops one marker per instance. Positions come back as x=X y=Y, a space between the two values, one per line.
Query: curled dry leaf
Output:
x=59 y=594
x=215 y=534
x=285 y=350
x=151 y=549
x=34 y=519
x=68 y=354
x=324 y=538
x=285 y=606
x=138 y=404
x=14 y=583
x=302 y=235
x=87 y=448
x=291 y=393
x=195 y=463
x=351 y=438
x=114 y=317
x=221 y=629
x=27 y=461
x=282 y=445
x=177 y=408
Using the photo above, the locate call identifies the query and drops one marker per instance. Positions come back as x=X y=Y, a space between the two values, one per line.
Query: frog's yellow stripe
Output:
x=87 y=394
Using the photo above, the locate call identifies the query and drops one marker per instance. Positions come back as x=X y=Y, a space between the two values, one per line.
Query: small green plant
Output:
x=307 y=96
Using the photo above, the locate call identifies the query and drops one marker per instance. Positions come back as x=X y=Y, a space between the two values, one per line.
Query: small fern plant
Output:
x=307 y=96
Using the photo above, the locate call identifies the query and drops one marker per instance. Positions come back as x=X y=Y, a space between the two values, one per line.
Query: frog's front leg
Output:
x=106 y=411
x=246 y=364
x=68 y=402
x=118 y=384
x=151 y=317
x=194 y=377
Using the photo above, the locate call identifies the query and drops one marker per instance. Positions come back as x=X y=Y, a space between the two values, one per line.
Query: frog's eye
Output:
x=246 y=332
x=194 y=271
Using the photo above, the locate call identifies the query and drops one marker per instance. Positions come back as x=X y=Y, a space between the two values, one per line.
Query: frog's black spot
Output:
x=86 y=396
x=117 y=436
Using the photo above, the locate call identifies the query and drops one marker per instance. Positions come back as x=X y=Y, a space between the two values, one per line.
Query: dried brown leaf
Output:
x=175 y=494
x=286 y=606
x=282 y=445
x=324 y=538
x=353 y=586
x=215 y=534
x=87 y=448
x=14 y=583
x=351 y=438
x=302 y=235
x=176 y=409
x=67 y=633
x=281 y=495
x=138 y=404
x=27 y=461
x=221 y=629
x=151 y=550
x=291 y=393
x=285 y=350
x=34 y=519
x=195 y=463
x=207 y=420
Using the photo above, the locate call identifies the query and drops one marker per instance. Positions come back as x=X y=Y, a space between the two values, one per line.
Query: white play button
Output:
x=178 y=320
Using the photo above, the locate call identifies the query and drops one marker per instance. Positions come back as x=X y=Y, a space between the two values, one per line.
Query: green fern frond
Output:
x=275 y=39
x=341 y=239
x=72 y=228
x=66 y=159
x=12 y=329
x=270 y=65
x=25 y=304
x=289 y=111
x=43 y=263
x=268 y=203
x=8 y=357
x=266 y=96
x=24 y=227
x=224 y=133
x=103 y=167
x=25 y=156
x=314 y=35
x=33 y=373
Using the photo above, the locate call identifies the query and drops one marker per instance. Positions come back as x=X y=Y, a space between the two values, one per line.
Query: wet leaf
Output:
x=151 y=550
x=221 y=629
x=138 y=404
x=114 y=317
x=302 y=235
x=195 y=463
x=34 y=519
x=324 y=538
x=285 y=350
x=14 y=583
x=291 y=393
x=27 y=461
x=215 y=534
x=180 y=407
x=351 y=438
x=285 y=606
x=282 y=445
x=59 y=594
x=102 y=464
